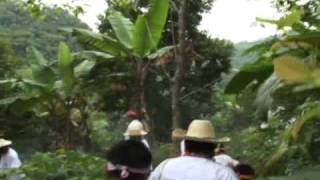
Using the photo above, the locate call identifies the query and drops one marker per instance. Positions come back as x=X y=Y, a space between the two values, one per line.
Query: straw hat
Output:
x=178 y=134
x=135 y=128
x=203 y=131
x=4 y=143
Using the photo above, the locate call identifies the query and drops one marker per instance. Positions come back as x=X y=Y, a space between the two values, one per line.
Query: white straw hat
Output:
x=203 y=131
x=4 y=143
x=135 y=128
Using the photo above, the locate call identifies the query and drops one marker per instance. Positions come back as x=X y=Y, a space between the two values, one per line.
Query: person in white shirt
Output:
x=135 y=131
x=196 y=163
x=9 y=157
x=177 y=136
x=222 y=158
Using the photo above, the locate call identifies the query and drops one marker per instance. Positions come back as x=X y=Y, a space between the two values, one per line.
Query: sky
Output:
x=236 y=20
x=229 y=19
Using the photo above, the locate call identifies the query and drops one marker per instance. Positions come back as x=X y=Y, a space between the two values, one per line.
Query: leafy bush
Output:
x=60 y=165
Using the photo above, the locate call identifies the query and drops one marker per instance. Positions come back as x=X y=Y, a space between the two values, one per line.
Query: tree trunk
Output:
x=176 y=81
x=142 y=104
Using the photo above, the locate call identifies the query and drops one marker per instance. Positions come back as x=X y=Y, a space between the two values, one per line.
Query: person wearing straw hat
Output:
x=135 y=131
x=177 y=136
x=8 y=157
x=129 y=160
x=196 y=163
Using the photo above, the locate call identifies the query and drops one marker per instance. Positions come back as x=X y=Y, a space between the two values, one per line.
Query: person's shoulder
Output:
x=223 y=156
x=224 y=171
x=12 y=153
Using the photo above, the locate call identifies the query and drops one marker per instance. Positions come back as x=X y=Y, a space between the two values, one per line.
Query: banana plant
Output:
x=292 y=59
x=135 y=41
x=297 y=40
x=50 y=89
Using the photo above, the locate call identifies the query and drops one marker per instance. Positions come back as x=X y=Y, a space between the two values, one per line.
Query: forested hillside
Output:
x=23 y=30
x=239 y=57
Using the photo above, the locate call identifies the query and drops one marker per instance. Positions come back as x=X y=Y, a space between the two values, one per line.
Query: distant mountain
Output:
x=239 y=59
x=18 y=26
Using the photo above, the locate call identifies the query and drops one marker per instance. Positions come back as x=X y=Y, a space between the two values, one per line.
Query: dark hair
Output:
x=244 y=169
x=4 y=150
x=220 y=149
x=135 y=138
x=203 y=148
x=130 y=153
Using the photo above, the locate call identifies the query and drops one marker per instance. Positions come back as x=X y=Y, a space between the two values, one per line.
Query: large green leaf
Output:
x=148 y=28
x=290 y=69
x=84 y=68
x=286 y=21
x=44 y=75
x=13 y=99
x=310 y=37
x=123 y=28
x=66 y=67
x=99 y=42
x=38 y=58
x=261 y=48
x=266 y=89
x=258 y=72
x=93 y=54
x=161 y=52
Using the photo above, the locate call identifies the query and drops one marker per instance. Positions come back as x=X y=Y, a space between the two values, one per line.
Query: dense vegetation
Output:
x=65 y=89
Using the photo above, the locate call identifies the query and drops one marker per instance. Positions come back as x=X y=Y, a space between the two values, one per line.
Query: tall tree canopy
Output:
x=206 y=59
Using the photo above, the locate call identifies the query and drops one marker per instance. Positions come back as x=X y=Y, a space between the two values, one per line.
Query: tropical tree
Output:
x=287 y=67
x=53 y=91
x=136 y=42
x=203 y=60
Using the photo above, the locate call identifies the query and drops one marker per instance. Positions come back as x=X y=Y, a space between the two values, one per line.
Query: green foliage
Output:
x=149 y=27
x=257 y=72
x=288 y=95
x=60 y=165
x=139 y=39
x=25 y=31
x=50 y=91
x=65 y=60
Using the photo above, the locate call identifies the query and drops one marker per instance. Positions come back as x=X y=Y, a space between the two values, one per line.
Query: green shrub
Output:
x=60 y=165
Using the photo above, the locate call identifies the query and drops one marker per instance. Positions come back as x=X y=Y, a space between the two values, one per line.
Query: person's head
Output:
x=200 y=138
x=178 y=134
x=200 y=148
x=130 y=160
x=135 y=138
x=245 y=172
x=132 y=114
x=220 y=149
x=4 y=146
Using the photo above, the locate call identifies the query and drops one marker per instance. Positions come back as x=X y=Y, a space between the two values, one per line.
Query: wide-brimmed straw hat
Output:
x=203 y=131
x=135 y=128
x=4 y=143
x=178 y=134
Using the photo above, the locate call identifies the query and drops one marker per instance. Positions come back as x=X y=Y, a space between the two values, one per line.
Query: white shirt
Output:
x=226 y=160
x=145 y=142
x=182 y=147
x=10 y=160
x=191 y=168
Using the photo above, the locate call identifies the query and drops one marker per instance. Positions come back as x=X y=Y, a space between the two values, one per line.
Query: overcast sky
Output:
x=229 y=19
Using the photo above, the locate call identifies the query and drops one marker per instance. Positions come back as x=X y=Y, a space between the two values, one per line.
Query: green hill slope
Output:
x=24 y=31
